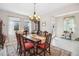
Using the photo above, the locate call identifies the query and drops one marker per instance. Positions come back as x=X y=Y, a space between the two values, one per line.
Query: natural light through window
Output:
x=69 y=24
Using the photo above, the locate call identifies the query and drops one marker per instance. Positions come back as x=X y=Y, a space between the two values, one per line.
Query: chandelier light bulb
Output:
x=34 y=17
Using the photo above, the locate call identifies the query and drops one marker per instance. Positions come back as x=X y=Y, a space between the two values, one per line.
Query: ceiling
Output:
x=42 y=9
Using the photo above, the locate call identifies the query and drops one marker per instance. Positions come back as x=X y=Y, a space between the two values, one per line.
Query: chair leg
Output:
x=44 y=52
x=20 y=53
x=35 y=52
x=30 y=53
x=49 y=51
x=24 y=53
x=2 y=46
x=17 y=48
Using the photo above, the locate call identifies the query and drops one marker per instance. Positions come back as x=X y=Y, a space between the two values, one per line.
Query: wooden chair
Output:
x=25 y=32
x=2 y=40
x=18 y=43
x=45 y=47
x=2 y=36
x=26 y=46
x=45 y=33
x=40 y=33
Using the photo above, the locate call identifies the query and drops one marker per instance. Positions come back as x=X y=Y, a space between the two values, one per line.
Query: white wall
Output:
x=59 y=26
x=50 y=21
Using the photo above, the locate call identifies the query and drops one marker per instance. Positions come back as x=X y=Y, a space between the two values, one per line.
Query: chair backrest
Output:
x=2 y=39
x=48 y=38
x=40 y=33
x=25 y=32
x=21 y=42
x=18 y=38
x=45 y=33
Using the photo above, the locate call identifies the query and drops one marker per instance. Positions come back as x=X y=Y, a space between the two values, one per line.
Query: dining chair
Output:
x=26 y=47
x=45 y=33
x=18 y=43
x=45 y=47
x=40 y=33
x=2 y=40
x=25 y=32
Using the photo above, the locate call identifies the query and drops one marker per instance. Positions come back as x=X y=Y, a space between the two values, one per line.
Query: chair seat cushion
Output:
x=29 y=45
x=29 y=41
x=43 y=45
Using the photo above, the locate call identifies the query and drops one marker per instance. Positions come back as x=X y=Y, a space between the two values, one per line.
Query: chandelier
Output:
x=34 y=17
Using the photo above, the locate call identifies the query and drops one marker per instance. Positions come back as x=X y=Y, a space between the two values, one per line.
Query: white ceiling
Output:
x=41 y=8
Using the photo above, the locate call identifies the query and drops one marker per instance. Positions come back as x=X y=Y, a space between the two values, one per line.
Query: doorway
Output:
x=13 y=25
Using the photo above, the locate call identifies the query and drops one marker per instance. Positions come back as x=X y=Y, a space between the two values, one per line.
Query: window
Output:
x=13 y=24
x=27 y=25
x=16 y=25
x=69 y=24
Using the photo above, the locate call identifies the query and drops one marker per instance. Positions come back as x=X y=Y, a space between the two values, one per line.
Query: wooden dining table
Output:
x=36 y=39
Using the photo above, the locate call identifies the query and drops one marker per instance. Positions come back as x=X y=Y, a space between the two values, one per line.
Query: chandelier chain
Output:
x=34 y=7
